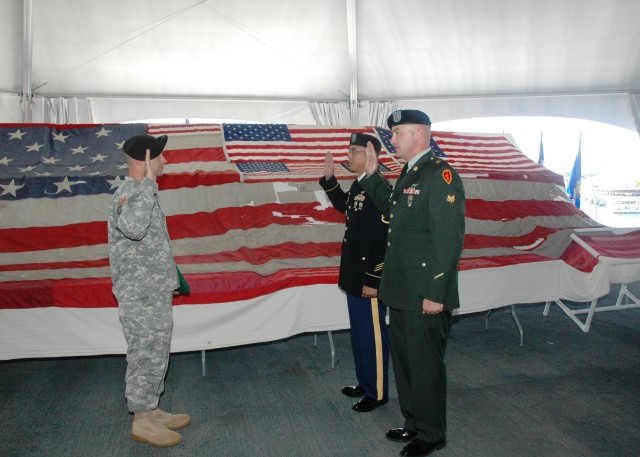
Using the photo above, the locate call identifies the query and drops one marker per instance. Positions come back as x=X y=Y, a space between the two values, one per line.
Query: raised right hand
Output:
x=328 y=166
x=148 y=171
x=371 y=165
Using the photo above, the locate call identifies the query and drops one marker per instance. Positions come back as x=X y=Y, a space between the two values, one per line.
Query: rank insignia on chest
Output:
x=447 y=176
x=451 y=198
x=411 y=191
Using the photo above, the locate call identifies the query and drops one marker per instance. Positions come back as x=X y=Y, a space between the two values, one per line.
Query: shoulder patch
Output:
x=447 y=176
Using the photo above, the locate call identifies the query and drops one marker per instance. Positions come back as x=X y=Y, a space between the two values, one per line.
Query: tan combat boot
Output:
x=146 y=429
x=171 y=421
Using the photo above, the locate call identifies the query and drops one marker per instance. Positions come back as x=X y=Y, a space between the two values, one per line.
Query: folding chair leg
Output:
x=514 y=316
x=517 y=321
x=331 y=347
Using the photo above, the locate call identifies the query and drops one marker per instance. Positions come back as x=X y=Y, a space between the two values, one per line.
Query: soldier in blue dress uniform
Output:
x=361 y=264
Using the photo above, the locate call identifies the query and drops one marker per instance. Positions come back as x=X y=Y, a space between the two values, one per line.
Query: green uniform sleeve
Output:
x=447 y=226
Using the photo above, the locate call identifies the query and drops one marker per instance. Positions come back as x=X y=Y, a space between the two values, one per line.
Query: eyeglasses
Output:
x=352 y=151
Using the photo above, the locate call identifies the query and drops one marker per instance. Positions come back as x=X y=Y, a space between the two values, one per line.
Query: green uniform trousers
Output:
x=418 y=343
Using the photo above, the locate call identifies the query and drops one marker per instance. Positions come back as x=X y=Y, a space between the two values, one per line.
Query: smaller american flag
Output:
x=296 y=153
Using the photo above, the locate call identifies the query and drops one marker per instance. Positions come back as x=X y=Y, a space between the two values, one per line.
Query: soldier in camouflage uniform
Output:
x=144 y=277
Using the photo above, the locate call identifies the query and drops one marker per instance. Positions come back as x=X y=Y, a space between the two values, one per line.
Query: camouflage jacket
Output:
x=139 y=251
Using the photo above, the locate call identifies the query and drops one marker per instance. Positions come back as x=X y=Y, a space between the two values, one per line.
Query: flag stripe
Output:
x=202 y=155
x=180 y=226
x=264 y=254
x=189 y=130
x=616 y=247
x=225 y=219
x=472 y=241
x=230 y=240
x=253 y=256
x=499 y=261
x=513 y=209
x=96 y=293
x=197 y=179
x=625 y=246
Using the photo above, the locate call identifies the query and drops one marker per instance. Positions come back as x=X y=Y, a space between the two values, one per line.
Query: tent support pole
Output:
x=26 y=97
x=634 y=101
x=353 y=62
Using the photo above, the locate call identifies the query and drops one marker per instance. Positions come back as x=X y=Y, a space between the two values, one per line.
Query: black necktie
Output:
x=404 y=170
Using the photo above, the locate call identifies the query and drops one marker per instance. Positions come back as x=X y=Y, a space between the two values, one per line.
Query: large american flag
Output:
x=245 y=213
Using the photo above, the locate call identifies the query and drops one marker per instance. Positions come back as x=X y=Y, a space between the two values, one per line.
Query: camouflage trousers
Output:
x=147 y=324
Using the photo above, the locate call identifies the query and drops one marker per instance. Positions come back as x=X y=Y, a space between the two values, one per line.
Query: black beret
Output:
x=136 y=146
x=361 y=139
x=408 y=116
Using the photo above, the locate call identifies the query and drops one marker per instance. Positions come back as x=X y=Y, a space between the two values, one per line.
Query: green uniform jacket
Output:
x=426 y=232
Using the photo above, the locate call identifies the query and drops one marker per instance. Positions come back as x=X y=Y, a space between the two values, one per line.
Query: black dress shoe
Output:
x=401 y=434
x=420 y=447
x=368 y=404
x=353 y=391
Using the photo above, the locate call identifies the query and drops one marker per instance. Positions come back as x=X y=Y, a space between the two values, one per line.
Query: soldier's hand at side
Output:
x=369 y=292
x=371 y=165
x=328 y=166
x=431 y=307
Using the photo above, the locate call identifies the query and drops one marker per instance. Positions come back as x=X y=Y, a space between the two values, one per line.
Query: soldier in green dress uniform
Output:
x=420 y=276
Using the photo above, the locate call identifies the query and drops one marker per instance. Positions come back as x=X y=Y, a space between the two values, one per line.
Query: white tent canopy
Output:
x=318 y=61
